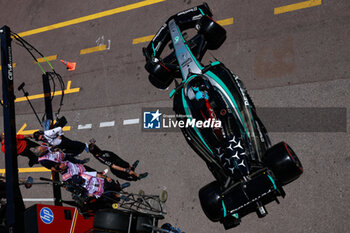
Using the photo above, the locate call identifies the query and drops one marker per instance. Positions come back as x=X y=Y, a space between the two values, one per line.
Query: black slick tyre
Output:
x=213 y=32
x=209 y=199
x=284 y=163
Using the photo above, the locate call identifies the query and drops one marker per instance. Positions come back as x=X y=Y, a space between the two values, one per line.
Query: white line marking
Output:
x=74 y=216
x=107 y=124
x=86 y=126
x=131 y=121
x=38 y=199
x=100 y=41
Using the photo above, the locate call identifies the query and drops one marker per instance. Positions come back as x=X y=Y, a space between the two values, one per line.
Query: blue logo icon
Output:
x=151 y=120
x=46 y=215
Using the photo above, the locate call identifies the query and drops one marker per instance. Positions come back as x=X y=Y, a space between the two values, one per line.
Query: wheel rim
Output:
x=294 y=158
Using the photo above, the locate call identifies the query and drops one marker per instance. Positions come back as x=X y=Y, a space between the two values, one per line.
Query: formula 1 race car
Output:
x=224 y=129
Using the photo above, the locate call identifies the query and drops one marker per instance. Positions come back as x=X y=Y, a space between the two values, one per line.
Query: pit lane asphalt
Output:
x=295 y=59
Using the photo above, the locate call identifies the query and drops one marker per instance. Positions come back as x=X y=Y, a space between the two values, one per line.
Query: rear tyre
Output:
x=209 y=198
x=111 y=220
x=214 y=33
x=284 y=163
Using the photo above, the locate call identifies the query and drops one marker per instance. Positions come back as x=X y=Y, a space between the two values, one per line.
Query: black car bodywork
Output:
x=249 y=172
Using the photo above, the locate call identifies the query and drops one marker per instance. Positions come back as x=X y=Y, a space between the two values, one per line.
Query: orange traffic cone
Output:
x=70 y=65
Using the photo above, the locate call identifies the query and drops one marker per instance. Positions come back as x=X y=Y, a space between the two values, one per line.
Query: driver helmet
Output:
x=200 y=94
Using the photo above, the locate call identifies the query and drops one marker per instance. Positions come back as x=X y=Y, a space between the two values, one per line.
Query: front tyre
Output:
x=159 y=75
x=213 y=32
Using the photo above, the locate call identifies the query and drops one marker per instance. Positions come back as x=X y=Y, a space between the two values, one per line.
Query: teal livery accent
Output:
x=183 y=39
x=273 y=182
x=215 y=63
x=191 y=77
x=235 y=215
x=222 y=84
x=201 y=11
x=195 y=88
x=224 y=207
x=176 y=39
x=154 y=51
x=172 y=93
x=195 y=129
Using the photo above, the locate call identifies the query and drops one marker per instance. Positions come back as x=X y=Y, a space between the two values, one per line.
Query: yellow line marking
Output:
x=13 y=65
x=143 y=39
x=93 y=49
x=90 y=17
x=27 y=132
x=68 y=90
x=66 y=128
x=297 y=6
x=29 y=169
x=22 y=131
x=225 y=22
x=49 y=58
